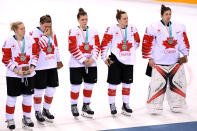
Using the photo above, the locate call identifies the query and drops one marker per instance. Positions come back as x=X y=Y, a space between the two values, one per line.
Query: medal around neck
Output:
x=86 y=47
x=170 y=41
x=22 y=58
x=124 y=47
x=49 y=49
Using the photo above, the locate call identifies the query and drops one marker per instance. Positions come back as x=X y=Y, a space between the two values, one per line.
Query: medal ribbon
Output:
x=49 y=42
x=23 y=48
x=124 y=36
x=85 y=39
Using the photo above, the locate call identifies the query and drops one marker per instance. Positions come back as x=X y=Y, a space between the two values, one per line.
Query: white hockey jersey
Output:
x=12 y=52
x=76 y=40
x=155 y=43
x=113 y=39
x=47 y=60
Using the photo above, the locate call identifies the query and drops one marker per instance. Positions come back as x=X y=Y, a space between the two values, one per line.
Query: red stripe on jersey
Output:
x=106 y=39
x=147 y=44
x=35 y=49
x=7 y=55
x=72 y=43
x=55 y=41
x=97 y=41
x=137 y=37
x=186 y=40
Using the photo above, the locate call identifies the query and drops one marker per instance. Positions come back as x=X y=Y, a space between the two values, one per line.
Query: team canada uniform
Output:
x=122 y=58
x=165 y=51
x=81 y=50
x=19 y=85
x=46 y=72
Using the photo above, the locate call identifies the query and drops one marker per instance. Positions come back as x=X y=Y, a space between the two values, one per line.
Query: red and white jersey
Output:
x=156 y=46
x=12 y=52
x=76 y=40
x=114 y=39
x=47 y=60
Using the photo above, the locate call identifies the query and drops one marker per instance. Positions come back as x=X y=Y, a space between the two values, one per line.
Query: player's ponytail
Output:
x=119 y=13
x=81 y=13
x=164 y=9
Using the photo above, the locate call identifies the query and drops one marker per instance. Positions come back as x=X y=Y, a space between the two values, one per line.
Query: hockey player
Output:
x=46 y=70
x=163 y=43
x=84 y=47
x=20 y=57
x=123 y=40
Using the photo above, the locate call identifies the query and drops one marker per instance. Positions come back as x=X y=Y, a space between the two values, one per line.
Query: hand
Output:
x=86 y=62
x=31 y=69
x=18 y=72
x=108 y=62
x=183 y=60
x=47 y=32
x=151 y=63
x=90 y=61
x=59 y=65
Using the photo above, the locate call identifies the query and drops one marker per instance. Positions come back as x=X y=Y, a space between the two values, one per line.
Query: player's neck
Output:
x=19 y=38
x=122 y=26
x=83 y=27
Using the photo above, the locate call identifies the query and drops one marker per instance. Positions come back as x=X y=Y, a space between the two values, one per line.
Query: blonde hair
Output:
x=14 y=25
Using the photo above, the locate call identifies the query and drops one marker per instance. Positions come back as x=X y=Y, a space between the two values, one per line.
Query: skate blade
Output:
x=48 y=120
x=41 y=123
x=84 y=114
x=126 y=113
x=11 y=129
x=114 y=115
x=76 y=117
x=27 y=128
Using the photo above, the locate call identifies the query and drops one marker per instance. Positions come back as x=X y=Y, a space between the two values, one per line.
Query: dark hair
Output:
x=81 y=13
x=164 y=9
x=45 y=19
x=119 y=13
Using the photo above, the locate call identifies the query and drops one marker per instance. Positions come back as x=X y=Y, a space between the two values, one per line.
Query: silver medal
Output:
x=170 y=41
x=86 y=47
x=22 y=58
x=124 y=47
x=49 y=49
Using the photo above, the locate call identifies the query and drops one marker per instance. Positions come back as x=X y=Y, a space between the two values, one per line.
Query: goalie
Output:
x=162 y=44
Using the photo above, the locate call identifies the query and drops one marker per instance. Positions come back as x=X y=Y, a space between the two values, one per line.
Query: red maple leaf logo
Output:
x=129 y=46
x=168 y=45
x=85 y=51
x=19 y=61
x=46 y=52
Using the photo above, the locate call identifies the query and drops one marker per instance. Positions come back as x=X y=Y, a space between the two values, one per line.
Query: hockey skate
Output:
x=47 y=115
x=74 y=110
x=113 y=109
x=27 y=123
x=86 y=111
x=39 y=117
x=126 y=110
x=10 y=124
